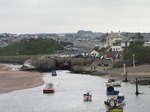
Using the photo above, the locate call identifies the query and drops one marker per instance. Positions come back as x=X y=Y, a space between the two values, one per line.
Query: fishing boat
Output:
x=87 y=97
x=113 y=82
x=54 y=73
x=48 y=88
x=112 y=105
x=111 y=91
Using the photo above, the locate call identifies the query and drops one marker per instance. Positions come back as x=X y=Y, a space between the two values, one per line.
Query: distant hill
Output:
x=31 y=47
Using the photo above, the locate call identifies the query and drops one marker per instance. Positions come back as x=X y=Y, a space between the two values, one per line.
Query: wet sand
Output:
x=17 y=80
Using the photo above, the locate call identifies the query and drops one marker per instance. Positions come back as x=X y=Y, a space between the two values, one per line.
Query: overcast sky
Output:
x=67 y=16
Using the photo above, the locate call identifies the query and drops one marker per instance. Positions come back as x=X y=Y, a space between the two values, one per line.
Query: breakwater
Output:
x=48 y=64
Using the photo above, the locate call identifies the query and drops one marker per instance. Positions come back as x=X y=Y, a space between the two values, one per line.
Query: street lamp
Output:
x=133 y=55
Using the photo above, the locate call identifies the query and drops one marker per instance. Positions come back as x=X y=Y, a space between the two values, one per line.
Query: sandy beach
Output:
x=17 y=80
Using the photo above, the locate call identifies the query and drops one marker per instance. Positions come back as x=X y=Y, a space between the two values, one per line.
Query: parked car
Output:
x=78 y=56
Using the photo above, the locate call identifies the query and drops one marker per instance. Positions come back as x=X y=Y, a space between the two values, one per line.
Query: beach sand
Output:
x=17 y=80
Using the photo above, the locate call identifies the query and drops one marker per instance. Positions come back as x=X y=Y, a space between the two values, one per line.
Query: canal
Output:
x=69 y=95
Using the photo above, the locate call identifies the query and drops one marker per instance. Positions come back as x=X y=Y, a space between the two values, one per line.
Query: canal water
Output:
x=69 y=96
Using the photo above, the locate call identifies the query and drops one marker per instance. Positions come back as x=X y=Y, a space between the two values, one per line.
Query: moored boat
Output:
x=49 y=88
x=54 y=73
x=112 y=105
x=113 y=82
x=87 y=97
x=111 y=91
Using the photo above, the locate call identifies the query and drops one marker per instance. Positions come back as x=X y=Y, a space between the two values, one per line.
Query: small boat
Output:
x=87 y=97
x=112 y=105
x=111 y=91
x=49 y=88
x=113 y=82
x=54 y=73
x=111 y=79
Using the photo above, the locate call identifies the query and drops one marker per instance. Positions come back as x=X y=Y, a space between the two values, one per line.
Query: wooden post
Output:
x=137 y=92
x=126 y=78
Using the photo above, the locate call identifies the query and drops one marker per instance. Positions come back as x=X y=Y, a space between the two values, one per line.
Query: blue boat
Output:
x=54 y=73
x=111 y=91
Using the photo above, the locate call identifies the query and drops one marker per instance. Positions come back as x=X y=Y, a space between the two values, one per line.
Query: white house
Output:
x=94 y=53
x=117 y=45
x=147 y=44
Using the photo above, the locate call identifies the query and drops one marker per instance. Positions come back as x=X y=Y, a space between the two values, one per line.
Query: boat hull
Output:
x=115 y=110
x=113 y=93
x=48 y=91
x=54 y=74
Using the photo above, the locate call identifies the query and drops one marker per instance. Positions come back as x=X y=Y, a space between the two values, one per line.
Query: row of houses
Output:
x=118 y=42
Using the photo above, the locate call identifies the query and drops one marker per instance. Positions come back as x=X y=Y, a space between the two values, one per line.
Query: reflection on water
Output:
x=69 y=96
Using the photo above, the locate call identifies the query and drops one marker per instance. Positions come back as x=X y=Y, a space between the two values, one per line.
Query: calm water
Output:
x=69 y=96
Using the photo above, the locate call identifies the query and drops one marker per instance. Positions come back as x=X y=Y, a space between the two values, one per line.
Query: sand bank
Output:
x=17 y=80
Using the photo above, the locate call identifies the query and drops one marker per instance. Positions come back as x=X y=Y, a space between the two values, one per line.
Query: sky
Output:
x=68 y=16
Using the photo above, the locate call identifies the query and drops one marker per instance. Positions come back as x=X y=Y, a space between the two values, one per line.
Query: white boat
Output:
x=113 y=82
x=49 y=88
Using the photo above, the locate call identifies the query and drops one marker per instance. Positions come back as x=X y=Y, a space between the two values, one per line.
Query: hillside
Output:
x=31 y=47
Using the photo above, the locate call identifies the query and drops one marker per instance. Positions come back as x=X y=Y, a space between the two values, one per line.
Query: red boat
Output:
x=49 y=88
